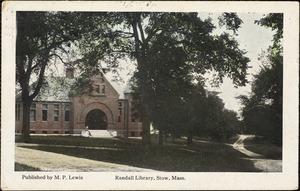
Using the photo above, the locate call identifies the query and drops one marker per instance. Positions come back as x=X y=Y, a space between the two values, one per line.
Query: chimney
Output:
x=70 y=73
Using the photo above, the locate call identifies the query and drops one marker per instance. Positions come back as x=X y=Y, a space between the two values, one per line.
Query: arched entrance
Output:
x=96 y=119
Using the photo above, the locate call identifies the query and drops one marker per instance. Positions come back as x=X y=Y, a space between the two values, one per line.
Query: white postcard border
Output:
x=287 y=179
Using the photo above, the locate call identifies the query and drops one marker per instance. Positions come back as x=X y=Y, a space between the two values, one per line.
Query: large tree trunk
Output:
x=140 y=49
x=26 y=122
x=145 y=109
x=24 y=79
x=160 y=137
x=146 y=126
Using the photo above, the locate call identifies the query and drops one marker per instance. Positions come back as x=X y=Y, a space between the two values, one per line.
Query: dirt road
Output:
x=239 y=145
x=260 y=162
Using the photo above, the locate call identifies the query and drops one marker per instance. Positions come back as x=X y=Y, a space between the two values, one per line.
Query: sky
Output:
x=254 y=39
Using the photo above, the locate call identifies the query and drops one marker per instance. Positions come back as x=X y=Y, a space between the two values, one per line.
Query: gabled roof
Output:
x=107 y=82
x=56 y=89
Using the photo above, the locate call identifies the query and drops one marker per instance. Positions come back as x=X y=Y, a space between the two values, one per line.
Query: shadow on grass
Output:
x=265 y=148
x=23 y=167
x=199 y=157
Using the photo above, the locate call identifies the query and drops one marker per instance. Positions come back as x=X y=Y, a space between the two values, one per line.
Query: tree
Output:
x=208 y=116
x=183 y=33
x=170 y=85
x=42 y=36
x=263 y=108
x=230 y=123
x=213 y=115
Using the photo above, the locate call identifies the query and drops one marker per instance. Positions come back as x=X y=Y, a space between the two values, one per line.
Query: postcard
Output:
x=149 y=95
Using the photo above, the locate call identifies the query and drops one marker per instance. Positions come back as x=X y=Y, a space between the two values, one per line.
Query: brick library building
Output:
x=100 y=113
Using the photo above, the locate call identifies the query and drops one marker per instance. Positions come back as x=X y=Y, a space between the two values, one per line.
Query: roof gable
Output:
x=99 y=80
x=59 y=89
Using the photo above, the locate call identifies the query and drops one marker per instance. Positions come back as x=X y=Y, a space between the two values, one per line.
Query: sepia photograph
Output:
x=148 y=96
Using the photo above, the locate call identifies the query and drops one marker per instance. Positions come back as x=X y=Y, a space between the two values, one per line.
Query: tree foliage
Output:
x=231 y=21
x=211 y=119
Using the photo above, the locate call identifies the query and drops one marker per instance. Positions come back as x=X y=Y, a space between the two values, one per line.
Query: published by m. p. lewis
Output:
x=149 y=178
x=52 y=177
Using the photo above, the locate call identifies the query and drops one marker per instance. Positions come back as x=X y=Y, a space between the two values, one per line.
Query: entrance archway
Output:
x=96 y=119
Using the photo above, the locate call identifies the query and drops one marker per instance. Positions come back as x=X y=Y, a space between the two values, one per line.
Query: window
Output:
x=33 y=112
x=132 y=119
x=44 y=112
x=56 y=112
x=120 y=114
x=97 y=89
x=133 y=115
x=18 y=110
x=67 y=113
x=132 y=134
x=103 y=89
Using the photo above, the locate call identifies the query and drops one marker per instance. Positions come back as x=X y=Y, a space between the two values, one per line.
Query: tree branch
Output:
x=141 y=30
x=151 y=34
x=40 y=80
x=56 y=55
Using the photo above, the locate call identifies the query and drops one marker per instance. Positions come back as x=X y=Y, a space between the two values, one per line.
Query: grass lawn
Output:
x=172 y=156
x=23 y=167
x=264 y=148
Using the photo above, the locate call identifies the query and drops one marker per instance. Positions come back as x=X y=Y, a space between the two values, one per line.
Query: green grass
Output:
x=264 y=148
x=23 y=167
x=199 y=157
x=84 y=141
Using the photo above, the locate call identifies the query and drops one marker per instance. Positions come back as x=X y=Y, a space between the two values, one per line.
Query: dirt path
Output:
x=266 y=165
x=48 y=161
x=239 y=145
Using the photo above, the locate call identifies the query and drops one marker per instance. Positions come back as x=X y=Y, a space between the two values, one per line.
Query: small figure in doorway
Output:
x=87 y=129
